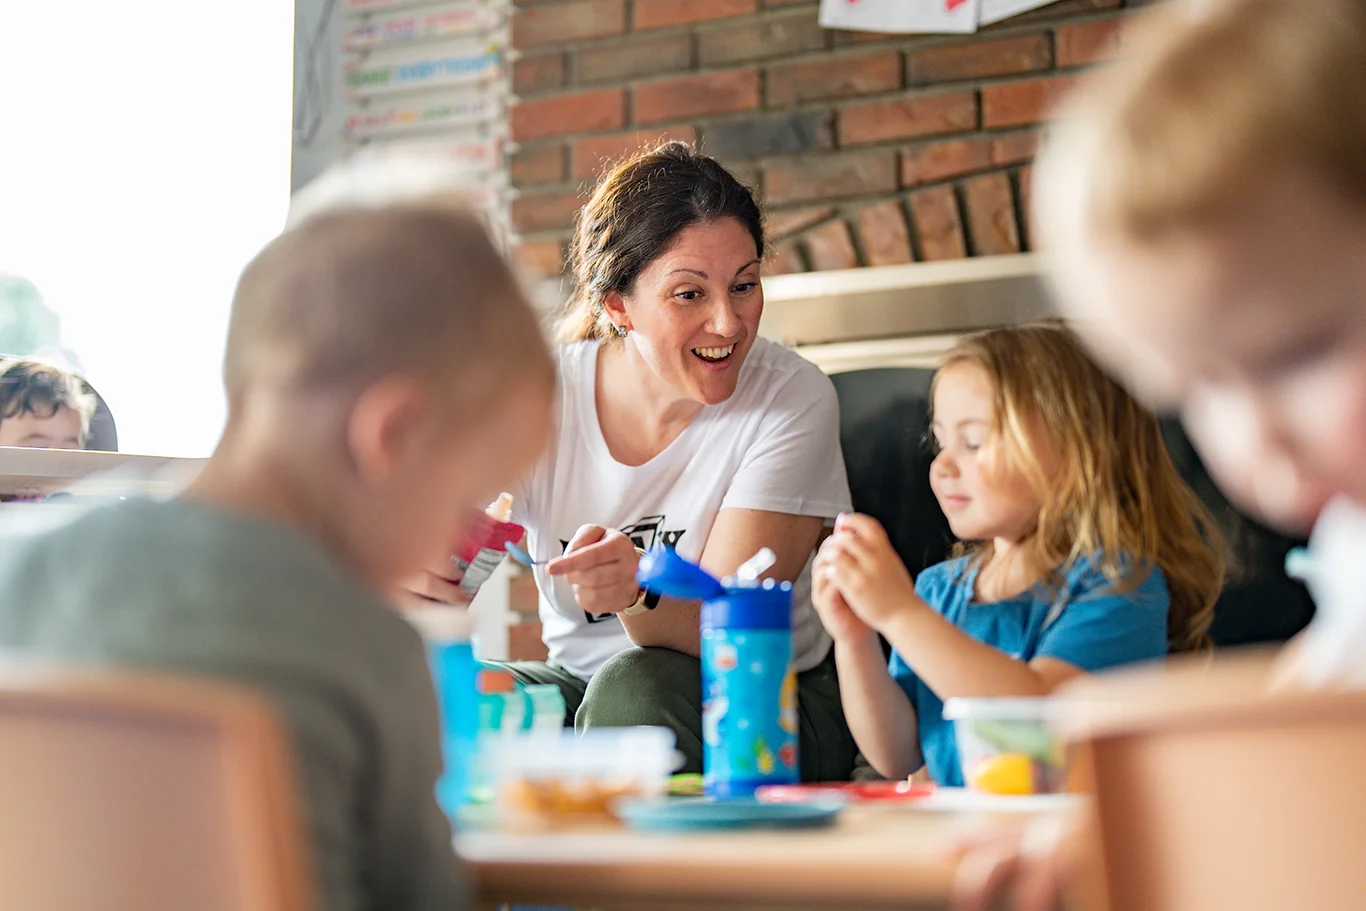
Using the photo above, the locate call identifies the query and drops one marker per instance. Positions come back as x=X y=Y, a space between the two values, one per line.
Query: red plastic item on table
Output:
x=853 y=791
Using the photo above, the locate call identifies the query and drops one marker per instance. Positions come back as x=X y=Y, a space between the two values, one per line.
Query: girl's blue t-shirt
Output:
x=1085 y=622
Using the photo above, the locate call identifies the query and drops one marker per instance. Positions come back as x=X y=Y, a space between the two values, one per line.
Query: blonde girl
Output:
x=1082 y=550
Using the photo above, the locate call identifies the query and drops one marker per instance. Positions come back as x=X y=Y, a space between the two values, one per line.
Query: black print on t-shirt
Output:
x=645 y=534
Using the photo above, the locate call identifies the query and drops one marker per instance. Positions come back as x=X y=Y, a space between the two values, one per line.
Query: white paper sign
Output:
x=439 y=113
x=403 y=28
x=996 y=10
x=903 y=16
x=371 y=77
x=916 y=16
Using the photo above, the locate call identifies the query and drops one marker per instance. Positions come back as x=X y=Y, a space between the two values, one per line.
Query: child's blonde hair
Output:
x=1208 y=100
x=1115 y=497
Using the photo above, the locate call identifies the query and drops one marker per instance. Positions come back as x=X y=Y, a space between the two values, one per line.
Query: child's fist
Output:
x=839 y=620
x=866 y=570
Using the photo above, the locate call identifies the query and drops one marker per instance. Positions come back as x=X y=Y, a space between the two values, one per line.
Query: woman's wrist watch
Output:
x=645 y=600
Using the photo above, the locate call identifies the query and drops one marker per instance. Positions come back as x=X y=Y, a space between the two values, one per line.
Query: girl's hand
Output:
x=600 y=563
x=839 y=620
x=867 y=571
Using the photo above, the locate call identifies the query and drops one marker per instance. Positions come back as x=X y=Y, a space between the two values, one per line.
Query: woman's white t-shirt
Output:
x=773 y=445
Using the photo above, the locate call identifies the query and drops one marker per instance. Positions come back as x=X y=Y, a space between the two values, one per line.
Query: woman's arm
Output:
x=601 y=565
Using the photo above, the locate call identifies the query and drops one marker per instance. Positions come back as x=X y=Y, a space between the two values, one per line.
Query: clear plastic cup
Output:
x=1008 y=746
x=569 y=775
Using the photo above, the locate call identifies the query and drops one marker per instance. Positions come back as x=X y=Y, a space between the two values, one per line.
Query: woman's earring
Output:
x=621 y=330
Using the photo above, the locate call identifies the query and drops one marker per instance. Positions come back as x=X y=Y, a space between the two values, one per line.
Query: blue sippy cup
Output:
x=749 y=688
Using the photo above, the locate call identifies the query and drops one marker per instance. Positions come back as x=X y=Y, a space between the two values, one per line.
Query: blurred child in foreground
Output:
x=384 y=373
x=1203 y=202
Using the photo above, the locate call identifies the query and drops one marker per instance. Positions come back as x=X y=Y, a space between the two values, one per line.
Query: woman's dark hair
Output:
x=637 y=210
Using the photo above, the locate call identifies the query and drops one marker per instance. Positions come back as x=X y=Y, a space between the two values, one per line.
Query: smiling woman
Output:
x=678 y=425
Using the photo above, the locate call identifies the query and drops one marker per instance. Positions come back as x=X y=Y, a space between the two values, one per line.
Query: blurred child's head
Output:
x=42 y=406
x=389 y=360
x=1038 y=447
x=1204 y=201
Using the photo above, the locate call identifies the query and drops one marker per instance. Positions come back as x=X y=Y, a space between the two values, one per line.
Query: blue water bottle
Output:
x=447 y=630
x=749 y=701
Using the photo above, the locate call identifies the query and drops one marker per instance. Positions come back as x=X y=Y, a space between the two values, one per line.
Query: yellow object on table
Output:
x=1006 y=773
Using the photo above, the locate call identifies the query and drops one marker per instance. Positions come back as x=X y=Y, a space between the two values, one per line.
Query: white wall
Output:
x=144 y=158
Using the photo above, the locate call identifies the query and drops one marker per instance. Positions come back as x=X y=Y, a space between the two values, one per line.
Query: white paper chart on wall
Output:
x=415 y=77
x=921 y=16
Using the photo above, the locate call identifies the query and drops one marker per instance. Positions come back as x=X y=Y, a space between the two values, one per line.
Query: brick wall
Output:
x=866 y=149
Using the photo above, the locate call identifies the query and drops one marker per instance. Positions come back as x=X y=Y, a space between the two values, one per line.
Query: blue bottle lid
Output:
x=663 y=571
x=764 y=606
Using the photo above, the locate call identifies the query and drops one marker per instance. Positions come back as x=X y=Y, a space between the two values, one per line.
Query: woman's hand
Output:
x=600 y=563
x=839 y=619
x=861 y=563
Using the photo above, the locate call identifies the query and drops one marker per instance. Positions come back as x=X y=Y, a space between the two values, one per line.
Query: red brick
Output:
x=1018 y=103
x=886 y=239
x=693 y=96
x=589 y=156
x=904 y=118
x=933 y=161
x=844 y=38
x=1059 y=10
x=830 y=177
x=978 y=59
x=542 y=259
x=1026 y=178
x=1014 y=148
x=786 y=223
x=663 y=13
x=991 y=215
x=760 y=39
x=831 y=246
x=560 y=23
x=545 y=211
x=834 y=77
x=653 y=56
x=539 y=164
x=578 y=112
x=525 y=643
x=540 y=73
x=784 y=260
x=1084 y=43
x=938 y=224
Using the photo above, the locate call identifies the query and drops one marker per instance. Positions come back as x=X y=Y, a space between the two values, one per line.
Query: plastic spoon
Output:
x=522 y=556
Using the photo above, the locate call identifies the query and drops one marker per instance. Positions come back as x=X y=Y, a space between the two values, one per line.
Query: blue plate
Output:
x=692 y=813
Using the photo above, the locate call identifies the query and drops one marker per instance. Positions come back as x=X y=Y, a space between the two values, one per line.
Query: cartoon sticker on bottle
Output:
x=727 y=659
x=787 y=703
x=763 y=757
x=713 y=713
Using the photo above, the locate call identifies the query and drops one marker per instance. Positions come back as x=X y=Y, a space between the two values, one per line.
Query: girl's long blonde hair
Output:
x=1115 y=496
